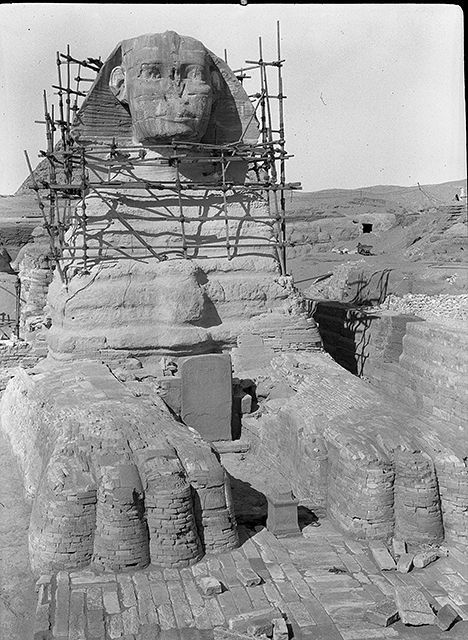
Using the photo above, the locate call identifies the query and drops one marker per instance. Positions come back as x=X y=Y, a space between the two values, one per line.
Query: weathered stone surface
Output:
x=405 y=562
x=446 y=617
x=384 y=613
x=227 y=634
x=383 y=558
x=206 y=395
x=210 y=586
x=256 y=622
x=413 y=607
x=421 y=560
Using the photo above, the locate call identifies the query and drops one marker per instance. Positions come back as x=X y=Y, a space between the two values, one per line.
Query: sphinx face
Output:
x=168 y=84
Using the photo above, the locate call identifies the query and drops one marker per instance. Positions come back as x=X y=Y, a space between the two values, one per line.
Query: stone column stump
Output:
x=282 y=518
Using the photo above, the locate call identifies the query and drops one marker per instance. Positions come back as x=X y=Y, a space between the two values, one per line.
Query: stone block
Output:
x=280 y=629
x=206 y=395
x=383 y=558
x=248 y=577
x=210 y=586
x=255 y=623
x=229 y=446
x=413 y=607
x=149 y=631
x=384 y=613
x=246 y=403
x=421 y=560
x=405 y=563
x=399 y=547
x=282 y=518
x=446 y=617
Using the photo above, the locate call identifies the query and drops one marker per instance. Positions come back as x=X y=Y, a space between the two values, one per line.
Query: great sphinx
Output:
x=115 y=480
x=153 y=92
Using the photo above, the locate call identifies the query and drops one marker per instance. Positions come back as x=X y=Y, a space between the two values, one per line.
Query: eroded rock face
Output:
x=158 y=87
x=168 y=84
x=173 y=307
x=115 y=480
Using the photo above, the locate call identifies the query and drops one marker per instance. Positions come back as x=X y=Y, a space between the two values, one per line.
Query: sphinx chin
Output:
x=163 y=130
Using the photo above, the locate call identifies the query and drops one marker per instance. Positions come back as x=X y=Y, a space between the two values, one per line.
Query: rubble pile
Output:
x=428 y=307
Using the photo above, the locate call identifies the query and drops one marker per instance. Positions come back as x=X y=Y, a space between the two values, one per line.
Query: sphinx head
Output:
x=169 y=84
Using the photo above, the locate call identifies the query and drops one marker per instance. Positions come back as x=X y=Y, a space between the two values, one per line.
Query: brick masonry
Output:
x=377 y=467
x=423 y=362
x=114 y=479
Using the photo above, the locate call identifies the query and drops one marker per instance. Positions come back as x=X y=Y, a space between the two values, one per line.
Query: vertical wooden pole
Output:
x=282 y=150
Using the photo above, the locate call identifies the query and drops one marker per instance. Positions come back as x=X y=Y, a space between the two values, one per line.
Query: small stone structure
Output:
x=282 y=514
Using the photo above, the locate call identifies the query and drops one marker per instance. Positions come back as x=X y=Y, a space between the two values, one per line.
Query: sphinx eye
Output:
x=150 y=71
x=194 y=72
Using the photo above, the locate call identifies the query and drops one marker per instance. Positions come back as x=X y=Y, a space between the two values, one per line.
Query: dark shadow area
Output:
x=198 y=513
x=307 y=517
x=250 y=505
x=345 y=333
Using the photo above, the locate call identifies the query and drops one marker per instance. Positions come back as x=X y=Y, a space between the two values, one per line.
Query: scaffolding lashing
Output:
x=181 y=208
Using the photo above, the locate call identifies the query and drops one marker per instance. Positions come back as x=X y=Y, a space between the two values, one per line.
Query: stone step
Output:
x=231 y=446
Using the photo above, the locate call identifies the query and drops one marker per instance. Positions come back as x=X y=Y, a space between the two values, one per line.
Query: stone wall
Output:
x=376 y=467
x=433 y=370
x=423 y=362
x=361 y=340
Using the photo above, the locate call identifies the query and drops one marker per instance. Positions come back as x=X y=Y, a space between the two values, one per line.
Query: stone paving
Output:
x=323 y=581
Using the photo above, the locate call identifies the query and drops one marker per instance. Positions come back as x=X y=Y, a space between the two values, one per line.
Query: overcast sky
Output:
x=375 y=92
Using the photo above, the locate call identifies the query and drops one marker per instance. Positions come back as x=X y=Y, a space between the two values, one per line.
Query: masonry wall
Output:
x=423 y=362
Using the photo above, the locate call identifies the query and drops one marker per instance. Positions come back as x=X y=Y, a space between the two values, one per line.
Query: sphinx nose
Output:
x=175 y=89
